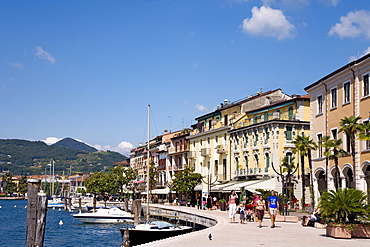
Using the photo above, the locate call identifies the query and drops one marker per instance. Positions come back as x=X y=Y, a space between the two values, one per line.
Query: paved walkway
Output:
x=249 y=234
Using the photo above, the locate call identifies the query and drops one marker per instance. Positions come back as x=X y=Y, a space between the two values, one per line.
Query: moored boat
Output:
x=154 y=230
x=105 y=215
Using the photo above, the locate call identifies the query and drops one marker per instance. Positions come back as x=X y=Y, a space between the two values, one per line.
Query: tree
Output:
x=342 y=206
x=8 y=184
x=365 y=133
x=124 y=175
x=350 y=127
x=23 y=185
x=288 y=167
x=333 y=152
x=325 y=143
x=304 y=145
x=102 y=183
x=186 y=180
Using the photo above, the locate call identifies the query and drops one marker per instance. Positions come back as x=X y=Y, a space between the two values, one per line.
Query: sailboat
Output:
x=154 y=230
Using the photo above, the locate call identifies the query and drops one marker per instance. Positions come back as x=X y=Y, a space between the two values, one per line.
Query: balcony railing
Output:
x=264 y=118
x=205 y=151
x=192 y=154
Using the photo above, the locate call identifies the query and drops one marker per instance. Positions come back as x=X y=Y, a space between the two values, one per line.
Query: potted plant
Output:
x=223 y=204
x=341 y=211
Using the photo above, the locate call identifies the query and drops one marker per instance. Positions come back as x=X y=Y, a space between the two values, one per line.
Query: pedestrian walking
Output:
x=199 y=202
x=241 y=211
x=232 y=205
x=209 y=202
x=273 y=203
x=260 y=209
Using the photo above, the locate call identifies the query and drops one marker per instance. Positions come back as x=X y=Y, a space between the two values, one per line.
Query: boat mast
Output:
x=147 y=169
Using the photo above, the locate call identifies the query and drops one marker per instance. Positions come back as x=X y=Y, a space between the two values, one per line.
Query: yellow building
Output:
x=217 y=152
x=342 y=93
x=262 y=137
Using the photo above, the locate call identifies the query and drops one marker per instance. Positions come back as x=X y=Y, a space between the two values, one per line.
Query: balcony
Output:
x=220 y=149
x=192 y=154
x=205 y=152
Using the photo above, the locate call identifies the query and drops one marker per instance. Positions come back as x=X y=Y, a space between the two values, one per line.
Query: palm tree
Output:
x=350 y=127
x=311 y=145
x=365 y=133
x=304 y=145
x=333 y=152
x=288 y=166
x=300 y=147
x=325 y=142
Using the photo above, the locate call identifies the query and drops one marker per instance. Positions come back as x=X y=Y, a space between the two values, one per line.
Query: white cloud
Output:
x=329 y=2
x=353 y=25
x=44 y=55
x=16 y=65
x=268 y=22
x=195 y=65
x=201 y=108
x=365 y=52
x=51 y=140
x=123 y=148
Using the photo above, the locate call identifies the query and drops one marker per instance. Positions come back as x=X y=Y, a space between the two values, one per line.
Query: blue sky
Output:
x=88 y=69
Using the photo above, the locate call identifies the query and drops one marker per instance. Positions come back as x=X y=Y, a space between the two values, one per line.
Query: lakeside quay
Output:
x=235 y=234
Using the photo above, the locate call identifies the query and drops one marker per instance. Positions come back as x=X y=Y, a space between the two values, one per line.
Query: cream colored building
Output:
x=342 y=93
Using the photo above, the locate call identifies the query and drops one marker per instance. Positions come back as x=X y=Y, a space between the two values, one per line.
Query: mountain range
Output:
x=22 y=157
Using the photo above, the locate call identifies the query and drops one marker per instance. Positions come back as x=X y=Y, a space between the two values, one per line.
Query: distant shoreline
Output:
x=12 y=198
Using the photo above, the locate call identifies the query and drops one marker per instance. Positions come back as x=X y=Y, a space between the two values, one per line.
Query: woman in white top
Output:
x=232 y=205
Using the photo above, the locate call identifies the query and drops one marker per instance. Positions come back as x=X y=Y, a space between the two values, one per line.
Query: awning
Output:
x=198 y=187
x=266 y=184
x=240 y=185
x=219 y=187
x=163 y=191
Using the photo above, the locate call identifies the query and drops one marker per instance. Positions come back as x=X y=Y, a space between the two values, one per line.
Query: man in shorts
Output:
x=273 y=203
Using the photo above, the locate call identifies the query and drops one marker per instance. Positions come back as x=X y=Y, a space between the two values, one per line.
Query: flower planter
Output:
x=361 y=231
x=338 y=231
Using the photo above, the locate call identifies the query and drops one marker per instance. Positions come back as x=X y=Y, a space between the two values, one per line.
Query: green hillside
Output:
x=75 y=145
x=23 y=157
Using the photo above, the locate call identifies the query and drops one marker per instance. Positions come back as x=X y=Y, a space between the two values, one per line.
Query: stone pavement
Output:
x=249 y=234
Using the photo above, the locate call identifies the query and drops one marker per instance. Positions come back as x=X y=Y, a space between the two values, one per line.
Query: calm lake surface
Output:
x=13 y=215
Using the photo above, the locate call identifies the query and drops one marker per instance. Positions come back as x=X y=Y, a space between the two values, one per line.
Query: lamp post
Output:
x=209 y=181
x=284 y=182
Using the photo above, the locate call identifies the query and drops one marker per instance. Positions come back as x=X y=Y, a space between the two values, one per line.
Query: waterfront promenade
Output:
x=248 y=234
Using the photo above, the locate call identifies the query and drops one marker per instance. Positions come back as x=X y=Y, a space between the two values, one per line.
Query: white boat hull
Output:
x=105 y=215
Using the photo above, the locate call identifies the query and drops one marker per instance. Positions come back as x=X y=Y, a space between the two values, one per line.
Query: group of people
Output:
x=259 y=208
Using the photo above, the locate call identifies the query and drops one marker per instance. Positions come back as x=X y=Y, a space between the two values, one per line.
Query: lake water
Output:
x=13 y=215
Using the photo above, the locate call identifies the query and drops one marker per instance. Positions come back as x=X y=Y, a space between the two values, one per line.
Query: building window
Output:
x=288 y=134
x=267 y=159
x=255 y=138
x=319 y=104
x=365 y=81
x=334 y=134
x=216 y=167
x=366 y=143
x=267 y=135
x=346 y=93
x=319 y=142
x=290 y=113
x=334 y=98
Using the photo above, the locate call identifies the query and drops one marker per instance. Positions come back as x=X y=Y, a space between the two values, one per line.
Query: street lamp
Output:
x=209 y=181
x=284 y=183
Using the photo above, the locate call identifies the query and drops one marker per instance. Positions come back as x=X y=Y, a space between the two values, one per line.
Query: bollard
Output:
x=36 y=214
